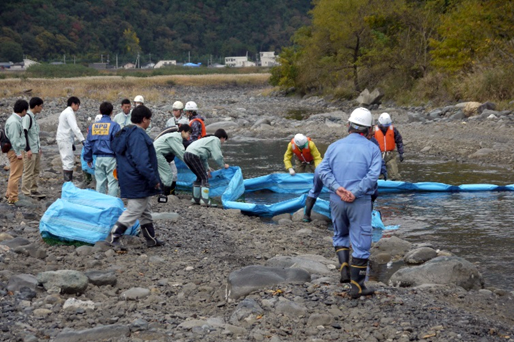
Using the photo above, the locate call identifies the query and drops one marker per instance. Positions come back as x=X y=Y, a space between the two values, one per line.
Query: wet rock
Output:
x=99 y=333
x=101 y=278
x=419 y=255
x=64 y=281
x=441 y=270
x=135 y=293
x=393 y=246
x=251 y=278
x=22 y=280
x=313 y=264
x=248 y=307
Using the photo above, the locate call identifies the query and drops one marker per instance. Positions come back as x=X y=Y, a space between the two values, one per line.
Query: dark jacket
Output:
x=136 y=163
x=99 y=136
x=383 y=168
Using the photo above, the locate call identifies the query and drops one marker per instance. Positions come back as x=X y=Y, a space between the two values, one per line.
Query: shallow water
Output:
x=477 y=226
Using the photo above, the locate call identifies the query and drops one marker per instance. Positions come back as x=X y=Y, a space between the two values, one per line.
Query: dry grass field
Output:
x=110 y=88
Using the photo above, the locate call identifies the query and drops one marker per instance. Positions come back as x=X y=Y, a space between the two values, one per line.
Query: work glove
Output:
x=385 y=176
x=291 y=172
x=401 y=158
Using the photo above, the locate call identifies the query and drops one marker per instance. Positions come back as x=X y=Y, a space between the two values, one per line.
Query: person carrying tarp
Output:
x=388 y=137
x=168 y=146
x=196 y=158
x=306 y=152
x=350 y=171
x=195 y=121
x=98 y=143
x=123 y=118
x=138 y=178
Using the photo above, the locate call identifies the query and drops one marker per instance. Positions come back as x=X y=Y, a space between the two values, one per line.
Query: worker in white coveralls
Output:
x=66 y=133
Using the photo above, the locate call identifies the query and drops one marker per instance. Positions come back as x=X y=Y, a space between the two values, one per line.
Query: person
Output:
x=14 y=132
x=177 y=114
x=123 y=118
x=66 y=130
x=168 y=146
x=307 y=154
x=350 y=171
x=196 y=158
x=139 y=100
x=32 y=155
x=195 y=121
x=138 y=178
x=388 y=136
x=98 y=143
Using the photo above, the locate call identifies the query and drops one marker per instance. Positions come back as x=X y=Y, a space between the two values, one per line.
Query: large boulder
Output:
x=251 y=278
x=221 y=124
x=419 y=255
x=314 y=264
x=393 y=246
x=63 y=281
x=446 y=270
x=366 y=98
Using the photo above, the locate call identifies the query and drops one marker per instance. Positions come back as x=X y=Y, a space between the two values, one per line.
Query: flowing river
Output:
x=477 y=226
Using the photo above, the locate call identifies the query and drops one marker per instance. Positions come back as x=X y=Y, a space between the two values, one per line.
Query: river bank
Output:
x=179 y=292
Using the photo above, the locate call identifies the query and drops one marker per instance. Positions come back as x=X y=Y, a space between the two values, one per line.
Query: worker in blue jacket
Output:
x=98 y=143
x=138 y=178
x=350 y=169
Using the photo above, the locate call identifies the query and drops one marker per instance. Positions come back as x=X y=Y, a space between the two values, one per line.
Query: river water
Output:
x=477 y=226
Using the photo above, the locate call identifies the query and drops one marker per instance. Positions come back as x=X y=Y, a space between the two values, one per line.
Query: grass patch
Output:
x=53 y=241
x=59 y=71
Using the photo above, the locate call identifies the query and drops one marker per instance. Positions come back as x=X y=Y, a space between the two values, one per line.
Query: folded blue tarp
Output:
x=82 y=215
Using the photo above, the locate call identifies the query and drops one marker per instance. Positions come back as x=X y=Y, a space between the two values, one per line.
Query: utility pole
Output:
x=116 y=61
x=150 y=56
x=138 y=62
x=108 y=58
x=189 y=57
x=73 y=59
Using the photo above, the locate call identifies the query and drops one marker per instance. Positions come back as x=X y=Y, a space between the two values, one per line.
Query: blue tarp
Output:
x=82 y=215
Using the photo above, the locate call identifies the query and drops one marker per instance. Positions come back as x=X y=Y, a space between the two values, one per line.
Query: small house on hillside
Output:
x=129 y=66
x=268 y=58
x=163 y=63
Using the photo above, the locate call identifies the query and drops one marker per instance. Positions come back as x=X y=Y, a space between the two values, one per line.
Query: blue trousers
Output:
x=352 y=224
x=316 y=187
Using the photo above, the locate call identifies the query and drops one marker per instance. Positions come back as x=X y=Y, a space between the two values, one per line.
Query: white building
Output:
x=268 y=58
x=248 y=64
x=161 y=64
x=28 y=62
x=236 y=62
x=129 y=66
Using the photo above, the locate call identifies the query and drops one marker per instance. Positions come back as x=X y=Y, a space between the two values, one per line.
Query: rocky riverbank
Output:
x=224 y=276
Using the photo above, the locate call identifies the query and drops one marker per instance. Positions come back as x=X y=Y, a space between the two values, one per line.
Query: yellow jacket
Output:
x=313 y=150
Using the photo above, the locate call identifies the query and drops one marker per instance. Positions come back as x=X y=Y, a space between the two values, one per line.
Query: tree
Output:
x=10 y=51
x=130 y=41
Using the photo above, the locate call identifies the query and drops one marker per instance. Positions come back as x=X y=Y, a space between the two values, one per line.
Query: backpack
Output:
x=5 y=143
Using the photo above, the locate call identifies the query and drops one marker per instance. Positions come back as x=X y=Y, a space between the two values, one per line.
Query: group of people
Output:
x=350 y=170
x=126 y=161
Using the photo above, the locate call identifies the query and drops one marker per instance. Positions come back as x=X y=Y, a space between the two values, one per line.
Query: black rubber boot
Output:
x=167 y=190
x=114 y=237
x=67 y=175
x=149 y=234
x=172 y=189
x=358 y=274
x=343 y=254
x=309 y=204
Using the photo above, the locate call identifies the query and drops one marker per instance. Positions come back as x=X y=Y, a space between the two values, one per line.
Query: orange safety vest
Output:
x=386 y=141
x=204 y=131
x=303 y=155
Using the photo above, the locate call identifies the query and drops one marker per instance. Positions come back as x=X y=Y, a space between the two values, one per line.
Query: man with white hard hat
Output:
x=388 y=138
x=195 y=121
x=139 y=100
x=350 y=169
x=306 y=152
x=177 y=114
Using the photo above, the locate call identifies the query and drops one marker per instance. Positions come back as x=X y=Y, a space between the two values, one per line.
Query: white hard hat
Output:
x=191 y=106
x=385 y=119
x=183 y=121
x=361 y=117
x=178 y=105
x=98 y=117
x=139 y=98
x=300 y=139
